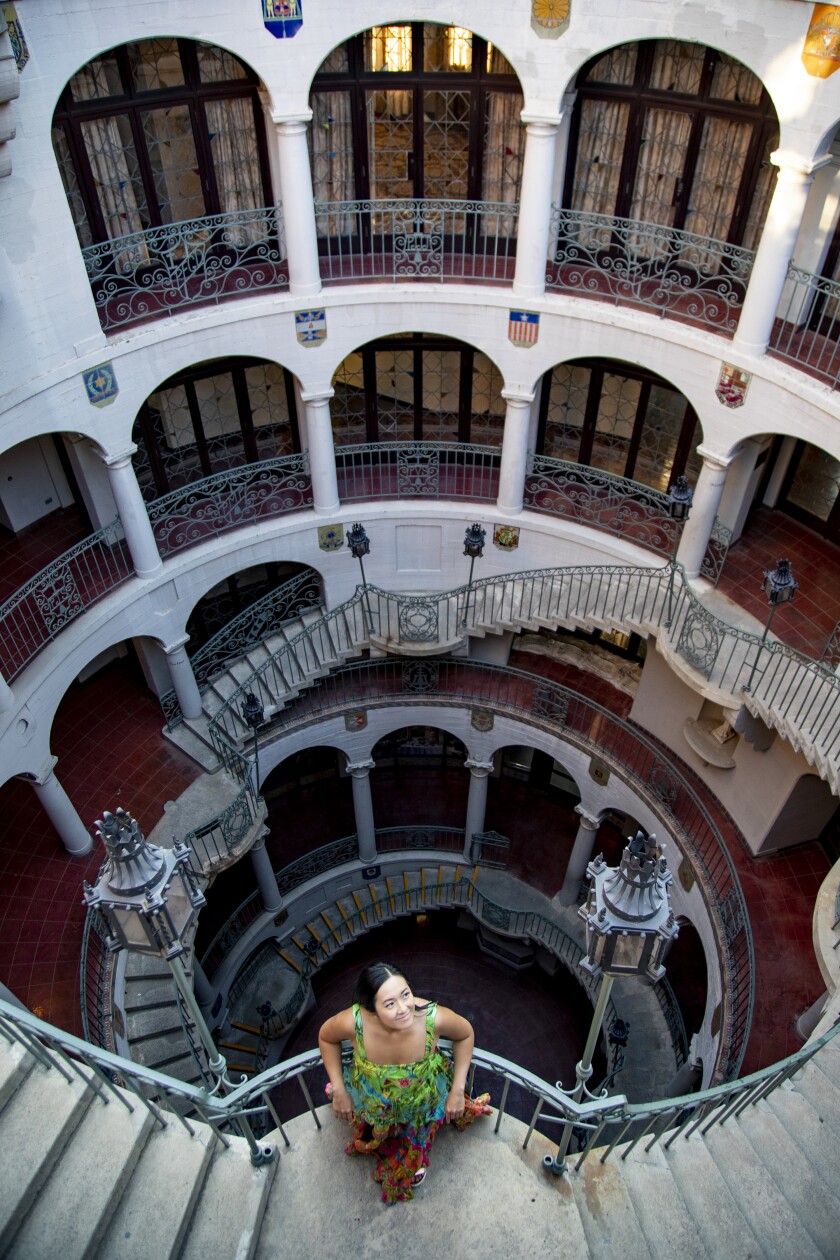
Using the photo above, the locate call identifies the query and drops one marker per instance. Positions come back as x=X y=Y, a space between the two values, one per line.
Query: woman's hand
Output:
x=341 y=1105
x=455 y=1105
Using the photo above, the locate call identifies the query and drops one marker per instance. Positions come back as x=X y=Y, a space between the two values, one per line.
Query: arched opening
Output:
x=414 y=387
x=419 y=111
x=619 y=418
x=531 y=801
x=419 y=777
x=245 y=589
x=157 y=132
x=672 y=133
x=213 y=417
x=687 y=975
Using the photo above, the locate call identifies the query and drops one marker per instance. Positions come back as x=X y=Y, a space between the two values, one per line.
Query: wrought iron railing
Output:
x=717 y=550
x=195 y=262
x=581 y=722
x=252 y=626
x=830 y=656
x=96 y=978
x=408 y=470
x=409 y=239
x=677 y=273
x=227 y=500
x=601 y=1125
x=807 y=327
x=48 y=602
x=600 y=500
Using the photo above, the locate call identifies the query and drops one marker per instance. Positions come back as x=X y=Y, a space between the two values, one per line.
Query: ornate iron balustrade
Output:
x=579 y=721
x=406 y=470
x=192 y=263
x=807 y=327
x=716 y=552
x=600 y=500
x=408 y=239
x=64 y=589
x=677 y=273
x=228 y=500
x=96 y=978
x=253 y=625
x=830 y=657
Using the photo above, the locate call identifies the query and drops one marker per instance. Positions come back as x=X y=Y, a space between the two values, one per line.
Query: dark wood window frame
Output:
x=193 y=93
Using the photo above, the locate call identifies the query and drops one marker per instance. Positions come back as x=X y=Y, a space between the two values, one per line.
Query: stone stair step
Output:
x=153 y=1021
x=137 y=1233
x=15 y=1065
x=72 y=1211
x=805 y=1125
x=828 y=1062
x=229 y=1213
x=29 y=1150
x=189 y=736
x=724 y=1229
x=770 y=1217
x=662 y=1212
x=145 y=993
x=607 y=1214
x=801 y=1182
x=162 y=1052
x=813 y=1084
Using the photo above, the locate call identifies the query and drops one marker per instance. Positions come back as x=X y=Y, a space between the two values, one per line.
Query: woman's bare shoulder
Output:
x=340 y=1027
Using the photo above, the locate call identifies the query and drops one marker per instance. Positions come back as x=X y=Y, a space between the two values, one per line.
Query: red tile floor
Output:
x=107 y=737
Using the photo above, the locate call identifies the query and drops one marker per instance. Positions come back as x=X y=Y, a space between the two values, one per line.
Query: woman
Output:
x=400 y=1088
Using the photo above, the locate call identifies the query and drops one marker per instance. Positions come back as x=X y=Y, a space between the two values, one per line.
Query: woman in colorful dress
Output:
x=399 y=1088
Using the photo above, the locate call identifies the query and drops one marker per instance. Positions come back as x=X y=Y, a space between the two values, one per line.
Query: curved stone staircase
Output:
x=82 y=1175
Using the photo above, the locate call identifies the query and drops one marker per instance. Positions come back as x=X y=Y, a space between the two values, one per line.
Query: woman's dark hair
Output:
x=371 y=981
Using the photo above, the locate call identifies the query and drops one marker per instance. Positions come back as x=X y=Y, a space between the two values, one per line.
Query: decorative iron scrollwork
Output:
x=700 y=640
x=551 y=703
x=418 y=620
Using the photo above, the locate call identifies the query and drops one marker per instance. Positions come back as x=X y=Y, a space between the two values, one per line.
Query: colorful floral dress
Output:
x=399 y=1107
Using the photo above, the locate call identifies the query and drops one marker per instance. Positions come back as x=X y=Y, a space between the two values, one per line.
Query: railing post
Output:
x=58 y=807
x=775 y=250
x=582 y=850
x=322 y=469
x=514 y=462
x=359 y=772
x=707 y=496
x=298 y=203
x=535 y=203
x=183 y=678
x=134 y=518
x=476 y=802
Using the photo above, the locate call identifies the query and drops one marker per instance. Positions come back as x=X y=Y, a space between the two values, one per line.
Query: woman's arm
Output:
x=460 y=1031
x=332 y=1033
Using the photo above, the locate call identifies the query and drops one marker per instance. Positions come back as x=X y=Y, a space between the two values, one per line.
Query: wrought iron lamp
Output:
x=254 y=714
x=359 y=544
x=780 y=588
x=474 y=540
x=680 y=496
x=148 y=898
x=629 y=926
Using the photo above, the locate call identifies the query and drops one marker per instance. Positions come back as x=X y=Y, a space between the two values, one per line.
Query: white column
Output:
x=561 y=151
x=775 y=250
x=133 y=515
x=183 y=678
x=582 y=851
x=298 y=203
x=272 y=898
x=58 y=807
x=514 y=452
x=359 y=772
x=7 y=698
x=476 y=802
x=780 y=470
x=535 y=204
x=321 y=452
x=707 y=496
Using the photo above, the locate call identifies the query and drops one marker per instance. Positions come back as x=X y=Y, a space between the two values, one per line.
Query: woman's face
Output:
x=394 y=1003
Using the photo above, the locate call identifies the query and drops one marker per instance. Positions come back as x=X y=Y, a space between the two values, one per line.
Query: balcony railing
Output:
x=229 y=499
x=48 y=602
x=807 y=328
x=192 y=263
x=689 y=277
x=416 y=240
x=416 y=470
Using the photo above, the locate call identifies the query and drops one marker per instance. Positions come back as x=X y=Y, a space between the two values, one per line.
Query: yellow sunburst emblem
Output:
x=550 y=15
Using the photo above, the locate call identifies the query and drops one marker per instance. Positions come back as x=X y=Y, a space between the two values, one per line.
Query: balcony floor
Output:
x=107 y=737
